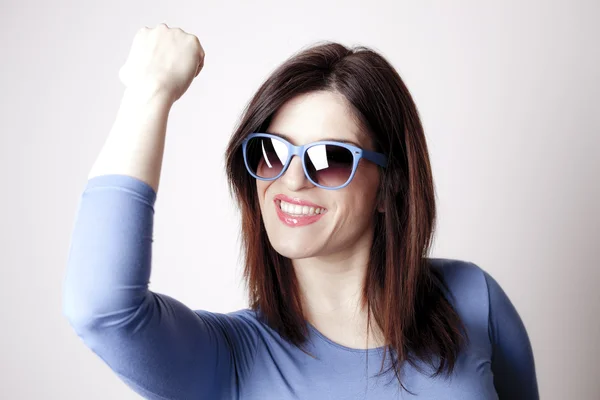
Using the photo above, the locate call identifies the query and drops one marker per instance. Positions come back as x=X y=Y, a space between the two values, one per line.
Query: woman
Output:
x=330 y=168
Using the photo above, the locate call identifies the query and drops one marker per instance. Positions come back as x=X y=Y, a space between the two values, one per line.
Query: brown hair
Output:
x=402 y=291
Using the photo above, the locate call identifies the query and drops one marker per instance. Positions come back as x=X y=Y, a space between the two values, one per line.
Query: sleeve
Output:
x=513 y=363
x=155 y=344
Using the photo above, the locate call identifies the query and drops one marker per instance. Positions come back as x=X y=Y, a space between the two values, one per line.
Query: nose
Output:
x=294 y=177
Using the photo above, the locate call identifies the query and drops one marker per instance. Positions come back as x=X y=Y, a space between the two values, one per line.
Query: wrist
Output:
x=148 y=95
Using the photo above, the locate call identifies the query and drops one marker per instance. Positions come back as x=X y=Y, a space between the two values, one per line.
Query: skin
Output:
x=329 y=256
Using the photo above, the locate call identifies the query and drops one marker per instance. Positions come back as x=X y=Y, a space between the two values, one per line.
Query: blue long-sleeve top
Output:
x=164 y=350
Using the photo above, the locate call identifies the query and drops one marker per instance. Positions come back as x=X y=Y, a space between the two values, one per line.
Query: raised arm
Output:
x=513 y=363
x=161 y=66
x=155 y=344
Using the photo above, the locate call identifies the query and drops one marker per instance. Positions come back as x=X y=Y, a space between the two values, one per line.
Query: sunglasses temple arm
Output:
x=377 y=158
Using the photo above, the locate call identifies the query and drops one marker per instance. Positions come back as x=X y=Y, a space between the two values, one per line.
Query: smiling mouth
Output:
x=296 y=210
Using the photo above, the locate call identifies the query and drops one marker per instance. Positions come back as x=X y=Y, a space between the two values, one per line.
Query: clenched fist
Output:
x=163 y=59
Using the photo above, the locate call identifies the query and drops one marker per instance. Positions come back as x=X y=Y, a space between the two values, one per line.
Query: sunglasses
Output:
x=327 y=164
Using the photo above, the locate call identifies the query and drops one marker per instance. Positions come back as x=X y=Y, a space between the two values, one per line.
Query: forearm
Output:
x=135 y=144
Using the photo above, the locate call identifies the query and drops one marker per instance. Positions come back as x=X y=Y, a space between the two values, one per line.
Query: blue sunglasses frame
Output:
x=357 y=153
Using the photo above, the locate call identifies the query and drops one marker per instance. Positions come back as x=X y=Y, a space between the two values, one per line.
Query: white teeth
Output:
x=295 y=209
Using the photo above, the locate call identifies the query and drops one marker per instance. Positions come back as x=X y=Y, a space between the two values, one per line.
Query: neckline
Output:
x=341 y=346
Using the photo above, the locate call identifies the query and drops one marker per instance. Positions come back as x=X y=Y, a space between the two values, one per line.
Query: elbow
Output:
x=78 y=316
x=88 y=314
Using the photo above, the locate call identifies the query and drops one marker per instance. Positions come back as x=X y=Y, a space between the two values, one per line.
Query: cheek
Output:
x=357 y=206
x=261 y=190
x=363 y=188
x=357 y=211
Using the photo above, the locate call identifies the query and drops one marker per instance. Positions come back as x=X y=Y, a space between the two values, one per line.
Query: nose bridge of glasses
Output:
x=295 y=150
x=299 y=165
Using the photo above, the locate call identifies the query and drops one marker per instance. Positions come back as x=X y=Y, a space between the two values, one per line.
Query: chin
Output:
x=293 y=249
x=292 y=254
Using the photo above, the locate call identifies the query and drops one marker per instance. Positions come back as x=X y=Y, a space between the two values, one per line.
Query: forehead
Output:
x=317 y=116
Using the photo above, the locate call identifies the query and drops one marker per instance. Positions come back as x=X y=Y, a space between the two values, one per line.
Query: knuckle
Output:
x=198 y=45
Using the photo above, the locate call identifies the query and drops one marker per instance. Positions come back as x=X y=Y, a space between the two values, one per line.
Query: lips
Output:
x=297 y=201
x=293 y=220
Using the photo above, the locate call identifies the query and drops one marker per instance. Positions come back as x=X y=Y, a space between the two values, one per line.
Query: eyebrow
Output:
x=332 y=139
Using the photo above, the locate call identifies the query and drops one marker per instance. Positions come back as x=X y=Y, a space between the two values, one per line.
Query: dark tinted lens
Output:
x=329 y=165
x=266 y=156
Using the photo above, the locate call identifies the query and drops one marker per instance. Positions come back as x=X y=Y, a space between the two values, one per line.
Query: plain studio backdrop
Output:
x=509 y=97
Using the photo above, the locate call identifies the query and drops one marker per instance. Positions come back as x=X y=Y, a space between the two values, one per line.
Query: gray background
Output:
x=508 y=93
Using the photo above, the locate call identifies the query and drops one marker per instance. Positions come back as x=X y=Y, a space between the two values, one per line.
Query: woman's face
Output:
x=347 y=216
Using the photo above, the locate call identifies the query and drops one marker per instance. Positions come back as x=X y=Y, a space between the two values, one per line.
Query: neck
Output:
x=331 y=289
x=331 y=284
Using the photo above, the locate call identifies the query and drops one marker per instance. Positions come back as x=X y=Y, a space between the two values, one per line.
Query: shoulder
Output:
x=468 y=287
x=240 y=332
x=239 y=326
x=464 y=279
x=469 y=282
x=245 y=329
x=478 y=298
x=496 y=330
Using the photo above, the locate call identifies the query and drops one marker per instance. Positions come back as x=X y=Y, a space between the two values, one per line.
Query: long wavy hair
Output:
x=405 y=295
